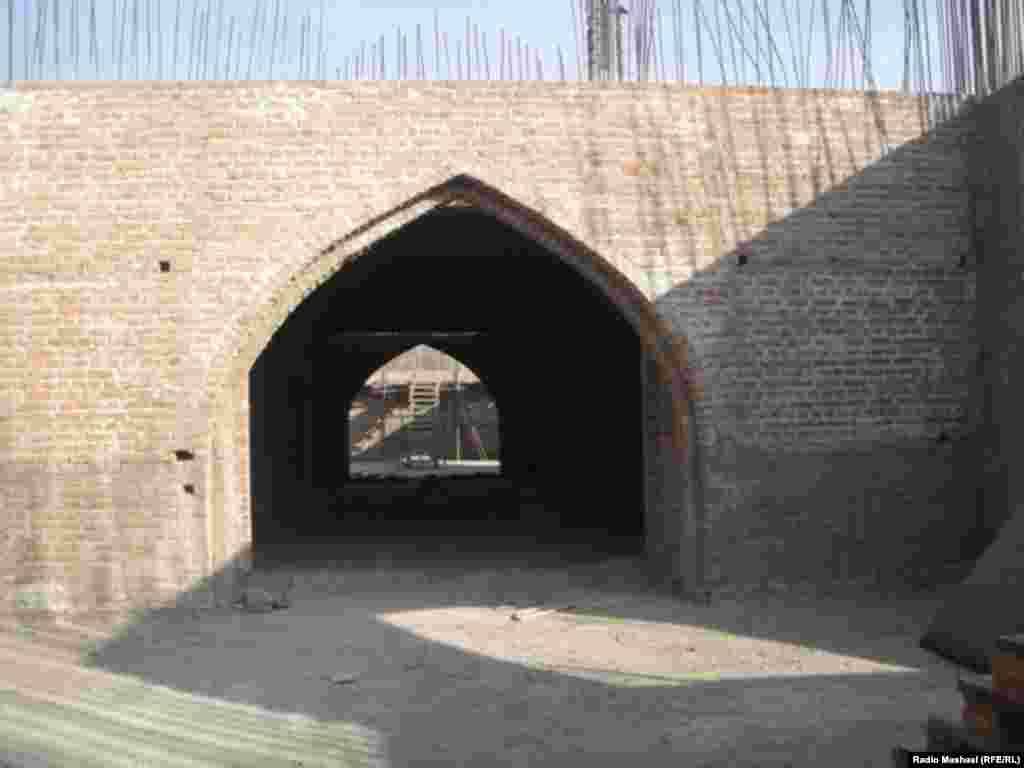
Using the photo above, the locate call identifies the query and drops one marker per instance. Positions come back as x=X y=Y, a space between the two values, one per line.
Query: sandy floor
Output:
x=581 y=666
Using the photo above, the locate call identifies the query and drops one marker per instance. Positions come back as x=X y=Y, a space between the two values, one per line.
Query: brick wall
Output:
x=835 y=353
x=995 y=184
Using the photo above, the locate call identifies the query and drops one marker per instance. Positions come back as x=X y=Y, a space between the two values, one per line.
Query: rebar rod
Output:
x=94 y=47
x=320 y=45
x=273 y=44
x=487 y=63
x=661 y=46
x=928 y=52
x=10 y=43
x=801 y=77
x=729 y=21
x=56 y=36
x=860 y=42
x=772 y=48
x=238 y=51
x=252 y=38
x=420 y=65
x=721 y=36
x=220 y=40
x=575 y=34
x=977 y=67
x=697 y=31
x=135 y=37
x=947 y=43
x=27 y=28
x=625 y=62
x=303 y=33
x=40 y=46
x=792 y=47
x=841 y=45
x=1006 y=41
x=159 y=44
x=447 y=55
x=231 y=42
x=74 y=38
x=715 y=44
x=476 y=48
x=207 y=28
x=124 y=29
x=754 y=57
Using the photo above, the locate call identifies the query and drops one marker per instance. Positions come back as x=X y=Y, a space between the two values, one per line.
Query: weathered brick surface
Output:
x=996 y=179
x=848 y=329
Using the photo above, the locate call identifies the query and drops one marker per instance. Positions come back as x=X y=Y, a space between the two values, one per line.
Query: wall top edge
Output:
x=63 y=85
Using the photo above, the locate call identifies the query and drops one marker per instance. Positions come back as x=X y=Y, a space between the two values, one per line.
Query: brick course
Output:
x=844 y=342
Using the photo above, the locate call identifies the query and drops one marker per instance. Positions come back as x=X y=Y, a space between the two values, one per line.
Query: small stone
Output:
x=256 y=600
x=340 y=679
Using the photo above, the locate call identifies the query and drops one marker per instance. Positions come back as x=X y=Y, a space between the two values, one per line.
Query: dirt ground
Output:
x=492 y=663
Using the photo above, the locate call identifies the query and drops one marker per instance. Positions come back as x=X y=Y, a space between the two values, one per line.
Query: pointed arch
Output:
x=373 y=364
x=227 y=499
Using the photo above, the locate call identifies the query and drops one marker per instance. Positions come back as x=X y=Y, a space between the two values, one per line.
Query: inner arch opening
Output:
x=423 y=413
x=558 y=357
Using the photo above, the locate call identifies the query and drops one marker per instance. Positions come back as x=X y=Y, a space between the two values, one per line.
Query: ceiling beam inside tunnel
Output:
x=348 y=337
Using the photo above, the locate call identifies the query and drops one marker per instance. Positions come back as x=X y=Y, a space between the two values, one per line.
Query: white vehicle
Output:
x=420 y=461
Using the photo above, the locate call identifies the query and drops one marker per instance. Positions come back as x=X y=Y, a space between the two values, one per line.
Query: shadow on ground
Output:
x=405 y=660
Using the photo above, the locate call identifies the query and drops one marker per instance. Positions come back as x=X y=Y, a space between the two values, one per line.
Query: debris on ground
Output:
x=256 y=600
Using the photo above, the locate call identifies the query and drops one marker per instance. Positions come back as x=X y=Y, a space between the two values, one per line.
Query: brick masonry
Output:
x=996 y=179
x=813 y=250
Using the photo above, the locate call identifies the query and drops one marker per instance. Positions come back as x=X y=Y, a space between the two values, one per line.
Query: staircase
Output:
x=424 y=397
x=381 y=428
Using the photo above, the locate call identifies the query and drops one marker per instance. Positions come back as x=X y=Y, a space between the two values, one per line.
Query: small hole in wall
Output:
x=189 y=488
x=182 y=455
x=742 y=259
x=963 y=260
x=165 y=266
x=942 y=438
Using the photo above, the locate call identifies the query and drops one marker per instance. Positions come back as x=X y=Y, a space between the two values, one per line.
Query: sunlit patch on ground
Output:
x=53 y=708
x=617 y=650
x=445 y=665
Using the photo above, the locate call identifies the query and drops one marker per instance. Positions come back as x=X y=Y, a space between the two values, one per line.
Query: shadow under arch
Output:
x=674 y=547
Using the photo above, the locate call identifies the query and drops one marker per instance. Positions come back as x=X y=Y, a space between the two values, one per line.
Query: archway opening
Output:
x=423 y=413
x=558 y=357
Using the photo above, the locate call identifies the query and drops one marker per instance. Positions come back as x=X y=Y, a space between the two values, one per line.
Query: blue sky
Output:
x=543 y=25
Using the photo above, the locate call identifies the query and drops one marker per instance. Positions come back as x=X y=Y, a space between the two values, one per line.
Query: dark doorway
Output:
x=562 y=364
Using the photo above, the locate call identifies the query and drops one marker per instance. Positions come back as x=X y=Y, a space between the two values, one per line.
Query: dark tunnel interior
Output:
x=561 y=362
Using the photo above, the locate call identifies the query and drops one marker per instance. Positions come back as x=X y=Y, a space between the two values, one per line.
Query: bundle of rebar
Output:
x=975 y=45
